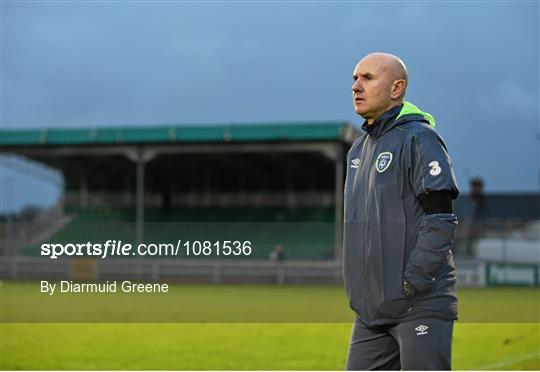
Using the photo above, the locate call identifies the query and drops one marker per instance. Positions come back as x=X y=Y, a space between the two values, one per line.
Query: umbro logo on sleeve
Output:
x=355 y=163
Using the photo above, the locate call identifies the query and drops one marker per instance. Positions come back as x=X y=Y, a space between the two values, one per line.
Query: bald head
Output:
x=380 y=81
x=389 y=64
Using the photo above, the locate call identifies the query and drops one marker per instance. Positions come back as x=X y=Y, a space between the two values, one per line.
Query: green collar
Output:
x=410 y=109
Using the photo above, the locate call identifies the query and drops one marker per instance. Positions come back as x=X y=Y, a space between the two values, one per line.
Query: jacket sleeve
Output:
x=432 y=254
x=430 y=170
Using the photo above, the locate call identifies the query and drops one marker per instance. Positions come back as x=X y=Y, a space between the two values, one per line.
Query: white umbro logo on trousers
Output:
x=422 y=330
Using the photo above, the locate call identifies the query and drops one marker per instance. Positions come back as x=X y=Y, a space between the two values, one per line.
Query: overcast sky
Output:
x=474 y=66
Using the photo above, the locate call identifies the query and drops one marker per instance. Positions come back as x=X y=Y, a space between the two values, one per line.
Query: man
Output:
x=399 y=226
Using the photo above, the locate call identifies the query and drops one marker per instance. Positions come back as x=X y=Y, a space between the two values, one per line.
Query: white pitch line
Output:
x=507 y=362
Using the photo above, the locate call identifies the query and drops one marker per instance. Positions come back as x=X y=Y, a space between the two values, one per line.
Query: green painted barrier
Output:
x=512 y=274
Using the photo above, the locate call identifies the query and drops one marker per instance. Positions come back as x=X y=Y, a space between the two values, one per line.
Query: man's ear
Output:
x=398 y=88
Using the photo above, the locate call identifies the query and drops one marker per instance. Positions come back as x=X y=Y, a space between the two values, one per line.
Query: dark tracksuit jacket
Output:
x=387 y=236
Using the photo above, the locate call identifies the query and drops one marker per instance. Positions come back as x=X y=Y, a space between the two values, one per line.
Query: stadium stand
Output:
x=271 y=183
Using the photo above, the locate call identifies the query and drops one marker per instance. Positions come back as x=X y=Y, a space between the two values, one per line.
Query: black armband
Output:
x=437 y=202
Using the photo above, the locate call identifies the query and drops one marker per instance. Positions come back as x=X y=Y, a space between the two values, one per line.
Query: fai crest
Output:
x=383 y=161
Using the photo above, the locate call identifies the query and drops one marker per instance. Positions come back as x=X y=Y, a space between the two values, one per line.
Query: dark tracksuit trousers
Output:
x=407 y=346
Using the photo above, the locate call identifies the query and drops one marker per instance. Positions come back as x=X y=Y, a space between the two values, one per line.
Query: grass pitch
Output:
x=254 y=346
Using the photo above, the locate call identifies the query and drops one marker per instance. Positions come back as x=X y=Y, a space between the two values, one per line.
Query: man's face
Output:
x=372 y=88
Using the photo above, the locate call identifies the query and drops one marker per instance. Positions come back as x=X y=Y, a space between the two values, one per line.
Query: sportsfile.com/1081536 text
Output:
x=119 y=249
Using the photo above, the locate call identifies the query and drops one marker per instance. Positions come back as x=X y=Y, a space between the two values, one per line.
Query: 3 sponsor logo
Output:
x=435 y=168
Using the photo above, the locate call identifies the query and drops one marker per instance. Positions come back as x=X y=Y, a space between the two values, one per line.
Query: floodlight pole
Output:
x=83 y=192
x=139 y=200
x=140 y=155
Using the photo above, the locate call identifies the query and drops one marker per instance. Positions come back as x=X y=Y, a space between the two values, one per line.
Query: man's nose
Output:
x=357 y=87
